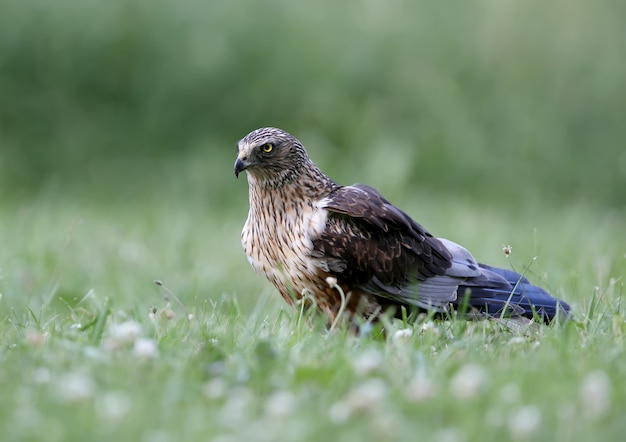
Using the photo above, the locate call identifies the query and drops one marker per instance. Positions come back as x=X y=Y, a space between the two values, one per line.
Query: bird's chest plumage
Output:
x=278 y=238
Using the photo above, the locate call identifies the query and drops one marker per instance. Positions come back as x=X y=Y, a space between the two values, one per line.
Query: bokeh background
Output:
x=126 y=99
x=491 y=122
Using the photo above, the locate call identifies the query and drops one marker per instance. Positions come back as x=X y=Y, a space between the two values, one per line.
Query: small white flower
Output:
x=280 y=404
x=420 y=389
x=367 y=396
x=36 y=337
x=122 y=334
x=368 y=362
x=113 y=405
x=127 y=331
x=524 y=422
x=507 y=249
x=75 y=387
x=403 y=335
x=595 y=394
x=331 y=281
x=339 y=412
x=364 y=398
x=429 y=326
x=145 y=348
x=468 y=382
x=168 y=313
x=215 y=388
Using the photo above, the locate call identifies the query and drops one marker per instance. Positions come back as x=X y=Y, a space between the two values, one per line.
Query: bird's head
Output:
x=270 y=156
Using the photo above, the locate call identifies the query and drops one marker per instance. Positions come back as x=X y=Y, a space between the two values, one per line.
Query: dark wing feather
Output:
x=521 y=296
x=369 y=242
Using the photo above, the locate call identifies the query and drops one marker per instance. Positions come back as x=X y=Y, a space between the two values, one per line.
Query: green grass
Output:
x=92 y=349
x=491 y=123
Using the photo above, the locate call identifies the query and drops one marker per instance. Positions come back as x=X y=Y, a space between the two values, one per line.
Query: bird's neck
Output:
x=308 y=182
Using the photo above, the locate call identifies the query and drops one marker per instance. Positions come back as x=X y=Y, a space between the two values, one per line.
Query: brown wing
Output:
x=369 y=242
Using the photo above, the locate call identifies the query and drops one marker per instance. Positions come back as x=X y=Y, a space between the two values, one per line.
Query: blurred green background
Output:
x=514 y=102
x=491 y=122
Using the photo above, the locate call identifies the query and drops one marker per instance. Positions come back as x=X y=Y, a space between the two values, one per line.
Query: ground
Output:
x=92 y=347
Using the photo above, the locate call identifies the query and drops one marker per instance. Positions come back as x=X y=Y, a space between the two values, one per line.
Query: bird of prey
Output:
x=310 y=235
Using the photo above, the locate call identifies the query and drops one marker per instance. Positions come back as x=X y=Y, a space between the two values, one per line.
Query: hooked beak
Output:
x=240 y=166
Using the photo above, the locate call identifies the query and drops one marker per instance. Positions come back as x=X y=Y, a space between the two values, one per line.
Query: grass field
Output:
x=492 y=123
x=93 y=348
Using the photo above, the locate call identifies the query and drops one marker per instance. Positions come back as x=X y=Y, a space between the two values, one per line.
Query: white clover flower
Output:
x=429 y=327
x=168 y=313
x=126 y=332
x=363 y=398
x=331 y=281
x=367 y=396
x=37 y=338
x=403 y=335
x=524 y=422
x=468 y=382
x=339 y=412
x=595 y=394
x=146 y=348
x=280 y=404
x=215 y=388
x=368 y=362
x=75 y=387
x=113 y=405
x=420 y=389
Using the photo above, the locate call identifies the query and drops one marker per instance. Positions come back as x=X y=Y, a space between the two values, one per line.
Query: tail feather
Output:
x=521 y=299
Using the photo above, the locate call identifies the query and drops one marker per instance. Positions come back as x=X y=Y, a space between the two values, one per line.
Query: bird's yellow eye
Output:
x=267 y=148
